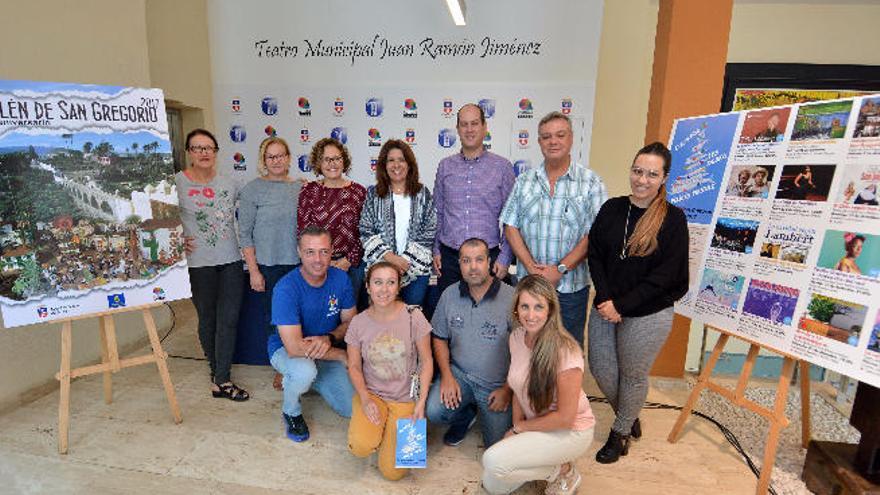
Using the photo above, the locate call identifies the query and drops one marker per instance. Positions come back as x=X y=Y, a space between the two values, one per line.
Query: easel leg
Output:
x=105 y=359
x=64 y=396
x=776 y=424
x=161 y=363
x=804 y=368
x=702 y=381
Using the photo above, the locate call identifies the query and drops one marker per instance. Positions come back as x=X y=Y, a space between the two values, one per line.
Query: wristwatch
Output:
x=562 y=268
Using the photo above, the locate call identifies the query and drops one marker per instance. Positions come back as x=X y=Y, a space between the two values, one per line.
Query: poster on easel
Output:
x=785 y=228
x=89 y=220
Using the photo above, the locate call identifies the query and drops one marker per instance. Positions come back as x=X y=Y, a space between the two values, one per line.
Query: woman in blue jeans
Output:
x=398 y=220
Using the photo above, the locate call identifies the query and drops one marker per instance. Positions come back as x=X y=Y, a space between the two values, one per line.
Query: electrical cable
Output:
x=173 y=323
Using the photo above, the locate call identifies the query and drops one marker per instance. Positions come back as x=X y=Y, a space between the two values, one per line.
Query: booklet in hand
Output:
x=412 y=444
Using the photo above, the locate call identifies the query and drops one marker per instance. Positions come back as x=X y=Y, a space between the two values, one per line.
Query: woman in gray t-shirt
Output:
x=207 y=210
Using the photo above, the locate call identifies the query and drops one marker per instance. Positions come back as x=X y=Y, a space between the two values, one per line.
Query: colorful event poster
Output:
x=700 y=147
x=412 y=444
x=88 y=216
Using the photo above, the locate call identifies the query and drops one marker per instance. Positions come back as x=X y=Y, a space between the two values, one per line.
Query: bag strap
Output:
x=412 y=340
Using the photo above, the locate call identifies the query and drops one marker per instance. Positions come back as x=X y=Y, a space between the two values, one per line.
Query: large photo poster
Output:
x=785 y=251
x=88 y=207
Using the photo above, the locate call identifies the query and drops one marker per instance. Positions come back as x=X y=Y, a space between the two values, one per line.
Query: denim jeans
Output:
x=271 y=274
x=356 y=277
x=495 y=424
x=328 y=378
x=573 y=307
x=414 y=292
x=216 y=294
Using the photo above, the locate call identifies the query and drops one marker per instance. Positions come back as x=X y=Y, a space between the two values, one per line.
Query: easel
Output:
x=110 y=363
x=776 y=416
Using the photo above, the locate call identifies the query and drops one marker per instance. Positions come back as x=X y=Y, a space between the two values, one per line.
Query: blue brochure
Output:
x=412 y=444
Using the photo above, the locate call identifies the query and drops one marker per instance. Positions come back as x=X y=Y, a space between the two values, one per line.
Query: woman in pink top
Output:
x=552 y=419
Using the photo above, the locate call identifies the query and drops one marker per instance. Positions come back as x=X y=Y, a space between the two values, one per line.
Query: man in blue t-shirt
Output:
x=312 y=307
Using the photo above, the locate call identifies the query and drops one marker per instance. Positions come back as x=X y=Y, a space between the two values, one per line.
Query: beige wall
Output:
x=100 y=42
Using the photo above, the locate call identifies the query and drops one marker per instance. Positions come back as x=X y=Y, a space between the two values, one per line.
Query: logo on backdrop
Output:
x=523 y=138
x=238 y=162
x=158 y=294
x=410 y=137
x=339 y=107
x=42 y=312
x=487 y=141
x=446 y=138
x=269 y=105
x=525 y=109
x=375 y=137
x=270 y=131
x=521 y=166
x=302 y=161
x=374 y=107
x=373 y=161
x=447 y=107
x=566 y=106
x=116 y=300
x=339 y=134
x=305 y=108
x=237 y=134
x=304 y=136
x=236 y=105
x=410 y=111
x=488 y=106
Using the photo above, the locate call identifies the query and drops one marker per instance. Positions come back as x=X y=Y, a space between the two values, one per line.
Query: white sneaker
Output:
x=564 y=484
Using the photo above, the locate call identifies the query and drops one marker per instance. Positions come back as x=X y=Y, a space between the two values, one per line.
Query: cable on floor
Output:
x=173 y=323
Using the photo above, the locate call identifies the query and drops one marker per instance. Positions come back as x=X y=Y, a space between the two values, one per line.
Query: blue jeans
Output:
x=414 y=292
x=574 y=312
x=271 y=274
x=356 y=277
x=328 y=378
x=495 y=424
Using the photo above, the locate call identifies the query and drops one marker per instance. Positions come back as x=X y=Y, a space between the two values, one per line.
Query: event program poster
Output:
x=88 y=208
x=790 y=257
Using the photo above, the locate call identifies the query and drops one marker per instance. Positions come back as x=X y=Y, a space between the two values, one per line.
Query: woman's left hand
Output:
x=608 y=312
x=418 y=412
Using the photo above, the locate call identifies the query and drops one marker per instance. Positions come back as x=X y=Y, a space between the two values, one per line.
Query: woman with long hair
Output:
x=398 y=221
x=207 y=210
x=389 y=345
x=638 y=258
x=552 y=419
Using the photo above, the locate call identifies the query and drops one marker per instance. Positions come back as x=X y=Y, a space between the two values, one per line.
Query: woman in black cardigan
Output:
x=638 y=257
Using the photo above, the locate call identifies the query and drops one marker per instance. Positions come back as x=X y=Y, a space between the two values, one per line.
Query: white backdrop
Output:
x=285 y=67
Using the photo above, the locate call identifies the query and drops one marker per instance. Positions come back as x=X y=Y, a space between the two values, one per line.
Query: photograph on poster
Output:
x=805 y=182
x=868 y=121
x=821 y=121
x=732 y=234
x=765 y=126
x=874 y=341
x=770 y=301
x=851 y=252
x=787 y=243
x=721 y=289
x=749 y=98
x=750 y=181
x=860 y=185
x=834 y=318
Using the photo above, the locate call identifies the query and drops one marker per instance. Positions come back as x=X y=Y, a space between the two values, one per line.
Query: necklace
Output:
x=625 y=231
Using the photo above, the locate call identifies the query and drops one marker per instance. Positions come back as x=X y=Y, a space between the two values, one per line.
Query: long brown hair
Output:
x=552 y=341
x=383 y=181
x=643 y=241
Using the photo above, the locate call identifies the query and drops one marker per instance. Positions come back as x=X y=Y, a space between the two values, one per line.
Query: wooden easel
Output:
x=776 y=416
x=110 y=363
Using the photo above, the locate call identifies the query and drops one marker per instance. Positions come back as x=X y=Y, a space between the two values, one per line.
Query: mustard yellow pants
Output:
x=365 y=437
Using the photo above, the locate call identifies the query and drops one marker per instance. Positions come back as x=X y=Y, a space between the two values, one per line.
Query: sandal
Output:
x=232 y=392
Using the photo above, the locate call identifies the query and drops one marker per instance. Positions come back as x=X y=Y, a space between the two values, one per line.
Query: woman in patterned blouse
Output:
x=334 y=202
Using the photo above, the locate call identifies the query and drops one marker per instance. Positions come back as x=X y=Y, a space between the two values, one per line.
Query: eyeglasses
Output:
x=272 y=158
x=203 y=149
x=332 y=159
x=640 y=172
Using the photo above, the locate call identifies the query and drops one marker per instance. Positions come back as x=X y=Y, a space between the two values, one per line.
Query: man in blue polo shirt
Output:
x=312 y=307
x=471 y=331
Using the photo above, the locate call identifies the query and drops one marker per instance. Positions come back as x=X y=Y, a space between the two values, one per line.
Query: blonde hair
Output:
x=643 y=241
x=264 y=146
x=553 y=342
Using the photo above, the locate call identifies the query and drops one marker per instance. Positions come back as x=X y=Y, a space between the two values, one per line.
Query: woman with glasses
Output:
x=638 y=258
x=267 y=222
x=398 y=221
x=334 y=202
x=207 y=210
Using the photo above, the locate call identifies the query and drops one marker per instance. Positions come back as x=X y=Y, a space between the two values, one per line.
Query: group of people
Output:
x=344 y=273
x=750 y=183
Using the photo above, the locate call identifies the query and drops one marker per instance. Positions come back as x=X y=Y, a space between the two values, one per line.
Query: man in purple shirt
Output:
x=470 y=190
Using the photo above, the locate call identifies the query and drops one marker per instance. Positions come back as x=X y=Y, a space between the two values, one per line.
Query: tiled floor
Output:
x=132 y=446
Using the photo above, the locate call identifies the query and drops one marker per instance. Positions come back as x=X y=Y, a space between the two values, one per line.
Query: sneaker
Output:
x=564 y=484
x=456 y=433
x=297 y=429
